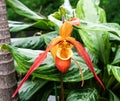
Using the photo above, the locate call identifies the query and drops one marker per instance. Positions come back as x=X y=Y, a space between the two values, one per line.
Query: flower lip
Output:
x=64 y=50
x=64 y=54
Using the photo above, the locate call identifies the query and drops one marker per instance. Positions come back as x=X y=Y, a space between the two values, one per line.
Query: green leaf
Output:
x=117 y=57
x=115 y=71
x=64 y=10
x=49 y=36
x=114 y=28
x=114 y=38
x=45 y=24
x=16 y=26
x=35 y=42
x=25 y=57
x=21 y=9
x=90 y=11
x=30 y=88
x=86 y=94
x=113 y=97
x=97 y=43
x=57 y=22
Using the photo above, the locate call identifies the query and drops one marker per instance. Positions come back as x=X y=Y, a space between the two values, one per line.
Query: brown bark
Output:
x=7 y=72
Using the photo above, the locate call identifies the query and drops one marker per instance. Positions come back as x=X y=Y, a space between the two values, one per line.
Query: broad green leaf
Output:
x=117 y=57
x=90 y=11
x=86 y=94
x=114 y=70
x=97 y=43
x=18 y=26
x=91 y=32
x=30 y=88
x=115 y=38
x=45 y=24
x=21 y=9
x=114 y=28
x=49 y=36
x=24 y=58
x=57 y=22
x=113 y=97
x=35 y=42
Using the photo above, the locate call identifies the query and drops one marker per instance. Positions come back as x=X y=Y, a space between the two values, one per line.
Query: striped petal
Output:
x=82 y=52
x=36 y=64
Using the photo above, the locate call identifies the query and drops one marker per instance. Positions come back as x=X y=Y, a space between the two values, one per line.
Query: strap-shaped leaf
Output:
x=86 y=94
x=115 y=71
x=35 y=42
x=113 y=97
x=45 y=24
x=30 y=88
x=117 y=57
x=21 y=9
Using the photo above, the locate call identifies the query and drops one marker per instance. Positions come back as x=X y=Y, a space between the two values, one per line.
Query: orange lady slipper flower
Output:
x=61 y=50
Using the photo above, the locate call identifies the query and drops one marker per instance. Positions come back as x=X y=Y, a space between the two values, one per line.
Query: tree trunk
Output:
x=7 y=72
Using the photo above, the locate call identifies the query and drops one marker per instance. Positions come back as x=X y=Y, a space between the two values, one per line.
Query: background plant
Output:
x=112 y=10
x=100 y=38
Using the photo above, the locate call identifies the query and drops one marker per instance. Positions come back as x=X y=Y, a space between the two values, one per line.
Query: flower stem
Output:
x=63 y=19
x=56 y=94
x=62 y=88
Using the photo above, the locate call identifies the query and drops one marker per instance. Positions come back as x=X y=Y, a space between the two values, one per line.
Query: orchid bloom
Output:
x=61 y=50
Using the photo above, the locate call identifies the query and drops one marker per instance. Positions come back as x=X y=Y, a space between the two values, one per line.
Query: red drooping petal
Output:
x=62 y=65
x=82 y=52
x=36 y=64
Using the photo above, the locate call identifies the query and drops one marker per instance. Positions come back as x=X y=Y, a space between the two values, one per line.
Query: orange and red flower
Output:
x=61 y=50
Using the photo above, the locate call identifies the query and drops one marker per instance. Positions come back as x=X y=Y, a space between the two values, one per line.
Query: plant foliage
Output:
x=100 y=38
